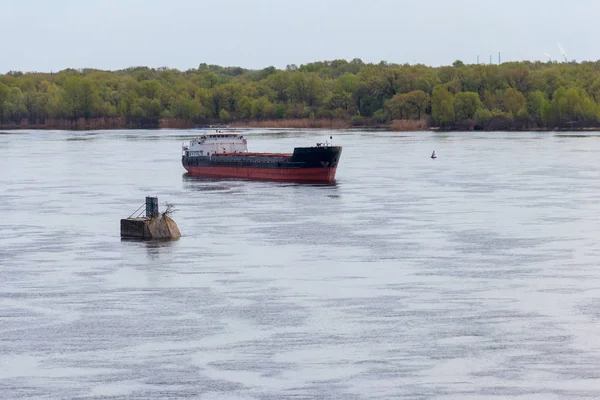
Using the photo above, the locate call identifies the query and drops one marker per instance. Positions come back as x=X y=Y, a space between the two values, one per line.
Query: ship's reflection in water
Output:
x=208 y=184
x=211 y=184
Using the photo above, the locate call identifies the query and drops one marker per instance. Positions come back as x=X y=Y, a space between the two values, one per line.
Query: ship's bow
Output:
x=319 y=163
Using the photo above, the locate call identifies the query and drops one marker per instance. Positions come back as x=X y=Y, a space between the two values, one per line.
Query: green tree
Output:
x=244 y=110
x=224 y=115
x=482 y=117
x=4 y=94
x=513 y=101
x=595 y=90
x=150 y=89
x=79 y=98
x=151 y=108
x=548 y=115
x=466 y=105
x=411 y=105
x=573 y=106
x=398 y=107
x=186 y=108
x=15 y=106
x=261 y=108
x=419 y=102
x=380 y=115
x=442 y=107
x=535 y=103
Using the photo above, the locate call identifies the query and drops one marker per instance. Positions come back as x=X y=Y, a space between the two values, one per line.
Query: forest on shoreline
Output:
x=328 y=94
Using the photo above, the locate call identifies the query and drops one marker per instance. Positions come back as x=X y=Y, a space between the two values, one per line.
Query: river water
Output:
x=475 y=275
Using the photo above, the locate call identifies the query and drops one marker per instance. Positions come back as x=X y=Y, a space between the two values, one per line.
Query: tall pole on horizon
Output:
x=498 y=58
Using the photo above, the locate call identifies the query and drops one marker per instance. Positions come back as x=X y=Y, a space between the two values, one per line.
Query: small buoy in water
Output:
x=433 y=155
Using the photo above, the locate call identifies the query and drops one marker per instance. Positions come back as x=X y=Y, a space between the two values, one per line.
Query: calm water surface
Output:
x=475 y=275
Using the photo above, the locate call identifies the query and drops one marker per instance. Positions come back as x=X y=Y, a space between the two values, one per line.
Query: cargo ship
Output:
x=225 y=154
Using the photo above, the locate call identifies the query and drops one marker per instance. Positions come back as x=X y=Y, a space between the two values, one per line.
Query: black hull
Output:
x=303 y=157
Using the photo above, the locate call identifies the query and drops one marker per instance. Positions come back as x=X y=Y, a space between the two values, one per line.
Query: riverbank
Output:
x=108 y=123
x=307 y=123
x=102 y=123
x=113 y=123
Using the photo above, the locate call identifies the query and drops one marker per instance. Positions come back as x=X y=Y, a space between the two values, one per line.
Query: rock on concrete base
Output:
x=161 y=227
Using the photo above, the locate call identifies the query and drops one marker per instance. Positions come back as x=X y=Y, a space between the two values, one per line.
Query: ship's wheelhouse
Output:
x=209 y=144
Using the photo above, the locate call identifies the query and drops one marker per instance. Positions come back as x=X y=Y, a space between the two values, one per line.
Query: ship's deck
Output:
x=280 y=155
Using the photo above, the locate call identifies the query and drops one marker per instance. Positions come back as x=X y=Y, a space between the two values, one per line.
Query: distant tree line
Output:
x=519 y=95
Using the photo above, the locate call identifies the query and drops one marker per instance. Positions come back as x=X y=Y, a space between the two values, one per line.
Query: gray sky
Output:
x=50 y=35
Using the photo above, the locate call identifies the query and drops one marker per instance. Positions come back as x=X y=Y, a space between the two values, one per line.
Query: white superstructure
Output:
x=213 y=143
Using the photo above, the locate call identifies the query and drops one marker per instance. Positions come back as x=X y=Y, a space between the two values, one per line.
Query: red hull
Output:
x=275 y=174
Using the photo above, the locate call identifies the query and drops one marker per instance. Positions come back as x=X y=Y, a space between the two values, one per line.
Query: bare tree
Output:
x=170 y=208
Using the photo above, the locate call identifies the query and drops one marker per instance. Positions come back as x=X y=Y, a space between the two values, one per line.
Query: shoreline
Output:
x=120 y=123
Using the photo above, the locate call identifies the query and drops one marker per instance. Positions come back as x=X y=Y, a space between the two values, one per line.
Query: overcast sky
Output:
x=50 y=35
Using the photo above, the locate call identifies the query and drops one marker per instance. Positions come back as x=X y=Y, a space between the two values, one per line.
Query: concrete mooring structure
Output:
x=153 y=225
